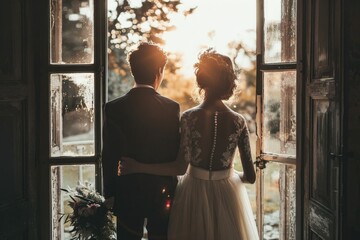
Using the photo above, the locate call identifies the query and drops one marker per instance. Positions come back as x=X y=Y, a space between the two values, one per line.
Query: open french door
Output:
x=277 y=116
x=299 y=109
x=71 y=98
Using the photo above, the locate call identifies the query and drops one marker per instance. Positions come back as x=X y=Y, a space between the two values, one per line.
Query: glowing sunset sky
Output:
x=213 y=24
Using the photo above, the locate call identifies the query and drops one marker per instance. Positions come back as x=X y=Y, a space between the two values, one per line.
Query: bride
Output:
x=211 y=201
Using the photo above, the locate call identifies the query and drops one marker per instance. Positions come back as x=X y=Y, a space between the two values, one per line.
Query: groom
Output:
x=143 y=125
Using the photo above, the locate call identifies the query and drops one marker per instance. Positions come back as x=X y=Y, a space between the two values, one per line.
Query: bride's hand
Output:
x=128 y=165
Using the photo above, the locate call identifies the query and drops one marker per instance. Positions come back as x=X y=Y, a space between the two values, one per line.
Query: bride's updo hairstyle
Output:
x=215 y=75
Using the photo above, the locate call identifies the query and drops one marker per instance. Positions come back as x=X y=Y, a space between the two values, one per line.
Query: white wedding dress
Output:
x=211 y=202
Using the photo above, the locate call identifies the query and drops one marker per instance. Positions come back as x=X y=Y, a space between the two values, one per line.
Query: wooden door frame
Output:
x=42 y=72
x=300 y=118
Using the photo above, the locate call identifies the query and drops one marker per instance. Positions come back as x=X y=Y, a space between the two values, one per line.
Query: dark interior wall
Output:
x=18 y=189
x=351 y=223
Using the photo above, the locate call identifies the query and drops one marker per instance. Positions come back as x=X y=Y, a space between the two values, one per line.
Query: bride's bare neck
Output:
x=213 y=105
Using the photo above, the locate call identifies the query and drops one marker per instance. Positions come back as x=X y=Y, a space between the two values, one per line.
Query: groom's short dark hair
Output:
x=145 y=62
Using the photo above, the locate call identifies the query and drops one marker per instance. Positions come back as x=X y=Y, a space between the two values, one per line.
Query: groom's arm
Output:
x=172 y=168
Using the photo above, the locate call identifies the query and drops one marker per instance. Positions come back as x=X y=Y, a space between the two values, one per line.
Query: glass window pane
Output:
x=72 y=31
x=72 y=114
x=279 y=201
x=65 y=177
x=279 y=31
x=279 y=113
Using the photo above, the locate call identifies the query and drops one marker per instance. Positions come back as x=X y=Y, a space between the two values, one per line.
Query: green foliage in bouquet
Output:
x=90 y=218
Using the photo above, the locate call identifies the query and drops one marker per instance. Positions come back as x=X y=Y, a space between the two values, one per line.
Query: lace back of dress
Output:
x=210 y=139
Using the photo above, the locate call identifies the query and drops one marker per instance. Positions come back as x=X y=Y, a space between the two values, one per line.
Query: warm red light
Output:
x=167 y=204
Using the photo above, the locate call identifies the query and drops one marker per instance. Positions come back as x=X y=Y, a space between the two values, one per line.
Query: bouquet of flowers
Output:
x=90 y=218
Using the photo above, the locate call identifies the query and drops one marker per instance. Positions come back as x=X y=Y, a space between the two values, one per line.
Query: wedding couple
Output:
x=143 y=130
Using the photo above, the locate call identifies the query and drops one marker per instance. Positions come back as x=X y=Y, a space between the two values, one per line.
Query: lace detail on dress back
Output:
x=209 y=140
x=228 y=155
x=190 y=137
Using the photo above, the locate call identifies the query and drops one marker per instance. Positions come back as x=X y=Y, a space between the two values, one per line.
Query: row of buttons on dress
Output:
x=214 y=141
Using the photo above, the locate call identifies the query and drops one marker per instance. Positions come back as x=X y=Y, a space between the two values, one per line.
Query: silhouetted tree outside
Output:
x=130 y=23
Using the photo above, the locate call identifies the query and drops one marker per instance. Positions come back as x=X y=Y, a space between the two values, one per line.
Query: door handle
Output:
x=260 y=163
x=333 y=156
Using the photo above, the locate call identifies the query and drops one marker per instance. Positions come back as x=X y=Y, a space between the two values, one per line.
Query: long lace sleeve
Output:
x=245 y=153
x=244 y=143
x=185 y=136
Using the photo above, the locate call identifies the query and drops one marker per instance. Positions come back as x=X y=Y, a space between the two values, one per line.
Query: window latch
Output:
x=260 y=163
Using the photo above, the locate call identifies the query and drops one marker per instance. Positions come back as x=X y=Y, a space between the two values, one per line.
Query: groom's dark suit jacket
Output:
x=145 y=126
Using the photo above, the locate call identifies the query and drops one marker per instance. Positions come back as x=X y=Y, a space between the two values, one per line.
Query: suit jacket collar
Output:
x=143 y=90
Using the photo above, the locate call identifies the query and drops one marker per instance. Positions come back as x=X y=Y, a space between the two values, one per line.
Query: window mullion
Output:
x=259 y=202
x=259 y=93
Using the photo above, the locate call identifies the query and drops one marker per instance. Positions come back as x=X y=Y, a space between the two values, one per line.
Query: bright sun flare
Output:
x=213 y=24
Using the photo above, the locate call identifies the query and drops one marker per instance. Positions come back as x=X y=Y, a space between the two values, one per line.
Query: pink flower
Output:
x=93 y=205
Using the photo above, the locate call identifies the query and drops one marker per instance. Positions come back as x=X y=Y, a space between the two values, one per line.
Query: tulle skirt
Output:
x=211 y=206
